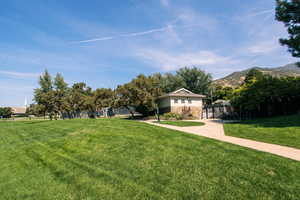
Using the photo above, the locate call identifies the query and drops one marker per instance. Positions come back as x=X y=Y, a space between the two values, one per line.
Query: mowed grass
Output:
x=181 y=123
x=122 y=159
x=283 y=130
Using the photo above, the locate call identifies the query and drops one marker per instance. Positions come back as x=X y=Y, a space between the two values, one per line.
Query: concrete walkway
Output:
x=214 y=129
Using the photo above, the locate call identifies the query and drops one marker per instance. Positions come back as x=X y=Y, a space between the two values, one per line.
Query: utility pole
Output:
x=157 y=113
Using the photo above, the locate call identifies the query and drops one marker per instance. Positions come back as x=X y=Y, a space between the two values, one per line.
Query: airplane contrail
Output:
x=260 y=13
x=125 y=35
x=151 y=31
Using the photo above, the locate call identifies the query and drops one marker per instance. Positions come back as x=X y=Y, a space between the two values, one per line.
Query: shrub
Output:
x=172 y=116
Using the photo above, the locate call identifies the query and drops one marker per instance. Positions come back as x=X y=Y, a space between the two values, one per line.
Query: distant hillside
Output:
x=237 y=78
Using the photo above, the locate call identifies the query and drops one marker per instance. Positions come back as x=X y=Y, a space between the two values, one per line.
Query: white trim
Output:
x=183 y=89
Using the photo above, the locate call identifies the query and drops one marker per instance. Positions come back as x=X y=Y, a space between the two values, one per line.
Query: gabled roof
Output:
x=182 y=93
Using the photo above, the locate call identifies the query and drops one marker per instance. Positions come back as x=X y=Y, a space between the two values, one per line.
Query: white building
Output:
x=182 y=101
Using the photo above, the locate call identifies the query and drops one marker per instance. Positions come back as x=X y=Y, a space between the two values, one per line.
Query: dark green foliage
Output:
x=60 y=93
x=193 y=79
x=45 y=95
x=123 y=159
x=223 y=93
x=284 y=130
x=5 y=112
x=288 y=12
x=35 y=109
x=253 y=75
x=55 y=98
x=268 y=96
x=103 y=97
x=141 y=94
x=168 y=82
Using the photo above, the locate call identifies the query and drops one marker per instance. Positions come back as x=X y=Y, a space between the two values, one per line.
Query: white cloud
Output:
x=264 y=47
x=19 y=74
x=172 y=61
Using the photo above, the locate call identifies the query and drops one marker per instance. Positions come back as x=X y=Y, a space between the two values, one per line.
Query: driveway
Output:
x=214 y=129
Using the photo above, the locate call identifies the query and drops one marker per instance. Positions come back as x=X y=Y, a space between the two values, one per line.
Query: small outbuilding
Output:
x=18 y=111
x=183 y=102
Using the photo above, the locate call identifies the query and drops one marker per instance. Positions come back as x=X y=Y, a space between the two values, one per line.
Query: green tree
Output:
x=224 y=93
x=192 y=79
x=5 y=112
x=268 y=96
x=35 y=109
x=168 y=82
x=253 y=75
x=288 y=12
x=45 y=94
x=78 y=100
x=195 y=80
x=60 y=91
x=103 y=97
x=141 y=94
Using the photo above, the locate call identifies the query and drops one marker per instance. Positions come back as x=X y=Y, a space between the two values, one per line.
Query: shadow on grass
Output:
x=274 y=122
x=37 y=121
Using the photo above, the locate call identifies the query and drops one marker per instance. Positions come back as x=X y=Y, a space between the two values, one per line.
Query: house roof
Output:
x=18 y=110
x=182 y=93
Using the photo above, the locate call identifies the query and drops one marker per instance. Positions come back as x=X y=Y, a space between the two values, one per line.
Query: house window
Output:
x=190 y=101
x=182 y=100
x=175 y=100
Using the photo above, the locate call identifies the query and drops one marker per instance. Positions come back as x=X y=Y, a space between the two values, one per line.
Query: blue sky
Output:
x=106 y=43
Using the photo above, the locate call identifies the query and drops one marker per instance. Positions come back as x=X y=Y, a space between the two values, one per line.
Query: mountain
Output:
x=237 y=78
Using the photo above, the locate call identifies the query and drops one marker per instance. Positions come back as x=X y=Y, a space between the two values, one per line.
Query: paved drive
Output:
x=214 y=129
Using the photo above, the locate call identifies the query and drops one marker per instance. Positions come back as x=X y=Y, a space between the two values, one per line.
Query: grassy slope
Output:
x=182 y=123
x=119 y=159
x=278 y=130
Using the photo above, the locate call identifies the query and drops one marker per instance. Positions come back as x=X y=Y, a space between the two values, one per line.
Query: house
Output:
x=18 y=111
x=182 y=101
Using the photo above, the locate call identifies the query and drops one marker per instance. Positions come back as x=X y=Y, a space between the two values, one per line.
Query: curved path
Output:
x=214 y=129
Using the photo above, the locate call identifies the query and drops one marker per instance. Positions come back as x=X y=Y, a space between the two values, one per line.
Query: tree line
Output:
x=5 y=112
x=263 y=95
x=54 y=98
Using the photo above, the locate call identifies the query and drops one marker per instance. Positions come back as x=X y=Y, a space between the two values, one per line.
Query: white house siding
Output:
x=194 y=108
x=196 y=102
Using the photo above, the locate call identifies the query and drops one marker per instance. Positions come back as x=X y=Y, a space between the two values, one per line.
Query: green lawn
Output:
x=278 y=130
x=124 y=159
x=181 y=123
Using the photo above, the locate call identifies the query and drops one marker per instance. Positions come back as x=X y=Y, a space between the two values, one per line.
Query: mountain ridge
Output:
x=237 y=78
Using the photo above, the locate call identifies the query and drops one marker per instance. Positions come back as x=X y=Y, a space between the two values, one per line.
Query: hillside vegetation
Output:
x=237 y=78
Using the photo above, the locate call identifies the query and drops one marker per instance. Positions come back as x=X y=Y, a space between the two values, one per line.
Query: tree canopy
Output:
x=55 y=98
x=288 y=12
x=5 y=112
x=141 y=94
x=193 y=79
x=265 y=96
